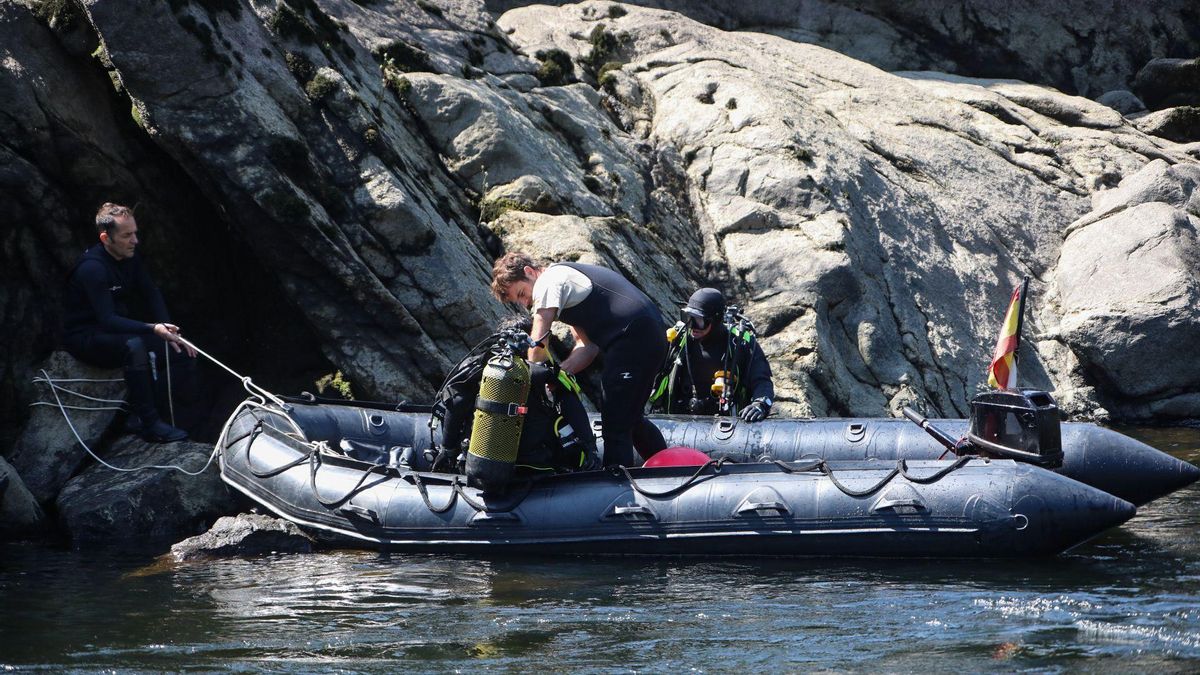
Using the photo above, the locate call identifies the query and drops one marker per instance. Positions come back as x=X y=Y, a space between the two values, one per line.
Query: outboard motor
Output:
x=1020 y=425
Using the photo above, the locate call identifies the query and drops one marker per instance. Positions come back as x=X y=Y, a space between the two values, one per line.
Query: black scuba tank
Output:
x=499 y=417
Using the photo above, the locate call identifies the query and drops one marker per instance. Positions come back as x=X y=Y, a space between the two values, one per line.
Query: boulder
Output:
x=1127 y=286
x=107 y=505
x=20 y=514
x=1180 y=124
x=527 y=193
x=1165 y=83
x=49 y=452
x=246 y=534
x=1123 y=101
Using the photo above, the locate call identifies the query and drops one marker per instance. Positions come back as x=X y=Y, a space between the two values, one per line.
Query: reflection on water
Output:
x=1129 y=601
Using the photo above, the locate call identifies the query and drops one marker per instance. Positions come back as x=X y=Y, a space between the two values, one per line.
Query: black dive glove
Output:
x=757 y=411
x=592 y=461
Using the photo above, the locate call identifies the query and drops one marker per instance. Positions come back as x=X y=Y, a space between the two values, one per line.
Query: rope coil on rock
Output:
x=255 y=391
x=212 y=455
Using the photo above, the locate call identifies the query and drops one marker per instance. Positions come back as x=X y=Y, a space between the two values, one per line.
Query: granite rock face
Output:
x=350 y=170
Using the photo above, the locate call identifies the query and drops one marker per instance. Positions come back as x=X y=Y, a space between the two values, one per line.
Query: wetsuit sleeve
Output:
x=758 y=374
x=93 y=280
x=153 y=297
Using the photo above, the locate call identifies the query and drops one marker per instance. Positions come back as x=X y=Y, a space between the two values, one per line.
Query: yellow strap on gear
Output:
x=568 y=380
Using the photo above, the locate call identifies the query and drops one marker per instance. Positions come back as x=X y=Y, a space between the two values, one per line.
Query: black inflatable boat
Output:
x=1100 y=457
x=359 y=475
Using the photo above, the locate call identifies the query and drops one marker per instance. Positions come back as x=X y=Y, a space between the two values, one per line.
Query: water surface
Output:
x=1129 y=601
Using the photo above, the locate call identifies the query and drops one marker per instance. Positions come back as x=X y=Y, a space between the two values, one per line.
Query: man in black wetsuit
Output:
x=107 y=287
x=716 y=368
x=608 y=315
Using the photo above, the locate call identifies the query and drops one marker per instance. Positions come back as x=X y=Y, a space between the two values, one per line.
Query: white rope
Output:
x=78 y=379
x=254 y=389
x=77 y=407
x=54 y=385
x=75 y=431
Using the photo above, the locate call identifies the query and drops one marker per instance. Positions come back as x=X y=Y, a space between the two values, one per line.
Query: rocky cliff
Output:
x=323 y=184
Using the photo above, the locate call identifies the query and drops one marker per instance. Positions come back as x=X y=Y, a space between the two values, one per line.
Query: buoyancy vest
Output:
x=684 y=384
x=610 y=308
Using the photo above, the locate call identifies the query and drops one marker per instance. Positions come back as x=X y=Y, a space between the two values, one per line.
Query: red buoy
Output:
x=677 y=456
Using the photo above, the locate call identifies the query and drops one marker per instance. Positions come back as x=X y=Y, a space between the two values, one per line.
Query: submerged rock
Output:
x=246 y=534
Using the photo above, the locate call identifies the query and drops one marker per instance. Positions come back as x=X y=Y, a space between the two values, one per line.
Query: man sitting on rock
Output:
x=107 y=287
x=714 y=364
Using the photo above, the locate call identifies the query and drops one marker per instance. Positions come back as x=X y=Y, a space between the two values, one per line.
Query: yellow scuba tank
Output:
x=499 y=418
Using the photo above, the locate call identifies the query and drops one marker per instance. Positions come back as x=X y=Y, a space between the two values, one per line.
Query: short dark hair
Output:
x=509 y=269
x=108 y=214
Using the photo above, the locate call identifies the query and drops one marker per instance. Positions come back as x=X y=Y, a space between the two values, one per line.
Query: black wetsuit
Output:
x=102 y=294
x=628 y=329
x=689 y=387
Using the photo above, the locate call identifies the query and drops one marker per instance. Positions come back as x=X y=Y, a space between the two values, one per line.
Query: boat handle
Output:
x=894 y=504
x=354 y=510
x=724 y=429
x=494 y=518
x=632 y=510
x=755 y=507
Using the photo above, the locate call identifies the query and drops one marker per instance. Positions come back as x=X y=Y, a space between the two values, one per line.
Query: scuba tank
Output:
x=499 y=417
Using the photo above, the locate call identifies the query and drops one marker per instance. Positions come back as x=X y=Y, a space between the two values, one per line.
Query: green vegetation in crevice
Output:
x=616 y=11
x=607 y=78
x=402 y=57
x=288 y=24
x=304 y=22
x=335 y=383
x=61 y=15
x=398 y=84
x=299 y=66
x=606 y=48
x=556 y=68
x=320 y=87
x=136 y=114
x=491 y=209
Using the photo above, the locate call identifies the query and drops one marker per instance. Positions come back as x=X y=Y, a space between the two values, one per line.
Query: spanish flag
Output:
x=1002 y=374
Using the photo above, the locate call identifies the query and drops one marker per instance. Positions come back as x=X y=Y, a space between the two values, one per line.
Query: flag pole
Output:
x=1020 y=320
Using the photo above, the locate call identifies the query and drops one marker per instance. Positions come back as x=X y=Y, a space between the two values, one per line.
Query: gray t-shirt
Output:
x=559 y=287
